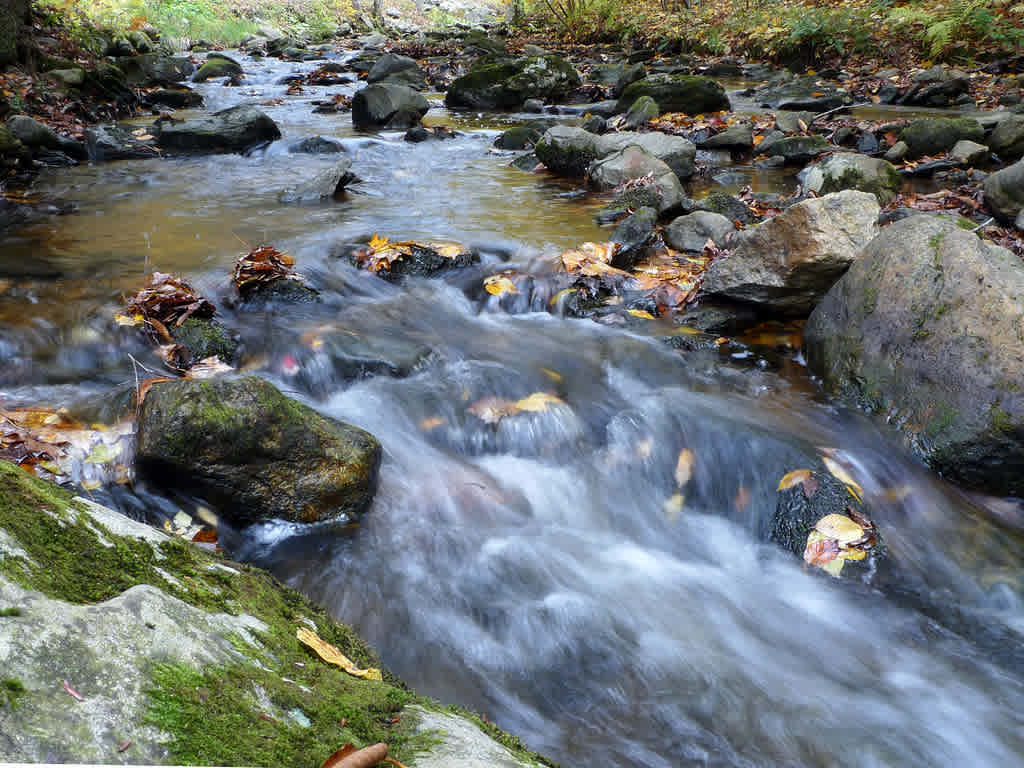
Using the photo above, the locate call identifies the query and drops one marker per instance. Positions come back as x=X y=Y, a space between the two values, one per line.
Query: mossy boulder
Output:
x=519 y=137
x=1007 y=138
x=935 y=135
x=691 y=94
x=219 y=66
x=846 y=170
x=929 y=323
x=507 y=84
x=254 y=452
x=567 y=151
x=204 y=338
x=641 y=112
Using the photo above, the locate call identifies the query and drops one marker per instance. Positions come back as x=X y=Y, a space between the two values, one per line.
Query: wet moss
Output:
x=12 y=690
x=999 y=421
x=205 y=338
x=944 y=418
x=7 y=613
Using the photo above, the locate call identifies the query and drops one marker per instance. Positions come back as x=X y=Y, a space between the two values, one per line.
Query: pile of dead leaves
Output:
x=165 y=301
x=261 y=266
x=381 y=255
x=838 y=538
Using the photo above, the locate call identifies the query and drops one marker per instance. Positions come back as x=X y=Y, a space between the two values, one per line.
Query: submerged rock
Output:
x=790 y=261
x=507 y=84
x=254 y=452
x=928 y=324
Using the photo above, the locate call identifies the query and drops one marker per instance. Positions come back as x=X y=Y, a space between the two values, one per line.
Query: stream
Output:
x=532 y=569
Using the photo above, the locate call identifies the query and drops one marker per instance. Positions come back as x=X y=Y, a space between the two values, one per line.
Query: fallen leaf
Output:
x=499 y=284
x=793 y=478
x=641 y=314
x=673 y=506
x=72 y=692
x=350 y=757
x=492 y=409
x=124 y=745
x=840 y=473
x=432 y=423
x=538 y=401
x=332 y=655
x=841 y=528
x=684 y=467
x=820 y=549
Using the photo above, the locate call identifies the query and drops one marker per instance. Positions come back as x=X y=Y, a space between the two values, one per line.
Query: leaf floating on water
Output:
x=684 y=466
x=332 y=655
x=432 y=423
x=537 y=402
x=350 y=757
x=793 y=478
x=641 y=314
x=839 y=473
x=496 y=285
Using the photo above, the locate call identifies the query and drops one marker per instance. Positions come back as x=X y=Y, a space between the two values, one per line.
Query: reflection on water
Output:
x=530 y=566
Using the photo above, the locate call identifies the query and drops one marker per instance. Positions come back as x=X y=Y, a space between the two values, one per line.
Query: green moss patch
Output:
x=11 y=690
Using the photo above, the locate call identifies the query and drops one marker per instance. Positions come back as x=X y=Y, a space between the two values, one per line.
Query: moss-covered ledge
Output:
x=180 y=656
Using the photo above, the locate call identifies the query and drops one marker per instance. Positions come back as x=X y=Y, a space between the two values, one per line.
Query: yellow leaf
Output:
x=133 y=322
x=795 y=477
x=640 y=313
x=684 y=466
x=560 y=295
x=428 y=424
x=332 y=655
x=839 y=527
x=840 y=474
x=834 y=567
x=499 y=284
x=673 y=506
x=852 y=553
x=492 y=409
x=758 y=139
x=538 y=401
x=555 y=376
x=378 y=243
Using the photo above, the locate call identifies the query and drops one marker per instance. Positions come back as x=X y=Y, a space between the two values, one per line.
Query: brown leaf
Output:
x=72 y=692
x=350 y=757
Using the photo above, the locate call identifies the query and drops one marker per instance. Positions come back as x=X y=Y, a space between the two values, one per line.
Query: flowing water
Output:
x=531 y=568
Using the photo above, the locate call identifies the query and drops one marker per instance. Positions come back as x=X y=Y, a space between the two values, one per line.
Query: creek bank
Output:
x=154 y=635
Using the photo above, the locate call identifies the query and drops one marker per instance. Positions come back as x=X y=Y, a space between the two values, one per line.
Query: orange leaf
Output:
x=349 y=757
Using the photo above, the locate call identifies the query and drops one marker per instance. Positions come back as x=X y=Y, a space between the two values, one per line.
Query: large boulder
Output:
x=254 y=452
x=569 y=151
x=935 y=135
x=384 y=105
x=326 y=184
x=400 y=70
x=847 y=170
x=691 y=94
x=692 y=231
x=928 y=324
x=790 y=261
x=1007 y=138
x=506 y=84
x=633 y=164
x=1004 y=192
x=159 y=69
x=235 y=129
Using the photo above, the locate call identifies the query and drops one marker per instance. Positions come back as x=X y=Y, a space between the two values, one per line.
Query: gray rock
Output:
x=323 y=186
x=846 y=170
x=796 y=150
x=32 y=133
x=632 y=234
x=897 y=152
x=935 y=135
x=790 y=261
x=802 y=93
x=520 y=137
x=675 y=151
x=316 y=145
x=739 y=136
x=508 y=84
x=692 y=231
x=378 y=105
x=969 y=152
x=1007 y=140
x=567 y=151
x=235 y=129
x=789 y=122
x=173 y=98
x=1004 y=192
x=691 y=94
x=628 y=76
x=401 y=70
x=642 y=112
x=731 y=207
x=632 y=164
x=928 y=324
x=114 y=142
x=72 y=78
x=462 y=743
x=254 y=451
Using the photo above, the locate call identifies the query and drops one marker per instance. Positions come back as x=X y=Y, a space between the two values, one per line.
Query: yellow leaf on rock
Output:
x=499 y=284
x=684 y=466
x=538 y=401
x=332 y=655
x=852 y=553
x=840 y=474
x=839 y=527
x=641 y=314
x=793 y=478
x=133 y=321
x=673 y=506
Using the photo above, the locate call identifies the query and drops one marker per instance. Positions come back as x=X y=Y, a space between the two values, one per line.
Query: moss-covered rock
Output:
x=691 y=94
x=567 y=151
x=205 y=338
x=929 y=323
x=934 y=135
x=846 y=170
x=507 y=84
x=1008 y=137
x=1004 y=192
x=217 y=67
x=157 y=636
x=254 y=452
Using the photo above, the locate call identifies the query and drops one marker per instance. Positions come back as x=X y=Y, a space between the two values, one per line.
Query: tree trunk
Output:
x=13 y=15
x=378 y=9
